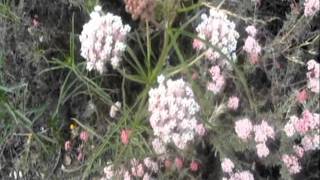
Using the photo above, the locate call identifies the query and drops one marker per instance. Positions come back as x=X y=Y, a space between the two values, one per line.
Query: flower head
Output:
x=103 y=40
x=194 y=166
x=291 y=162
x=302 y=96
x=173 y=111
x=125 y=136
x=262 y=150
x=243 y=128
x=178 y=162
x=221 y=33
x=311 y=7
x=227 y=165
x=84 y=136
x=143 y=9
x=233 y=103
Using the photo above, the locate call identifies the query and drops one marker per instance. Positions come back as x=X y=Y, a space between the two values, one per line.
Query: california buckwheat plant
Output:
x=160 y=89
x=103 y=40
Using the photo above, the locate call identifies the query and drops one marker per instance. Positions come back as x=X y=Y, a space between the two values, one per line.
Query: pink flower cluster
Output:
x=228 y=168
x=103 y=40
x=233 y=103
x=174 y=116
x=227 y=165
x=221 y=33
x=143 y=9
x=217 y=80
x=262 y=132
x=311 y=7
x=308 y=122
x=251 y=46
x=137 y=169
x=243 y=128
x=313 y=76
x=311 y=142
x=308 y=127
x=292 y=163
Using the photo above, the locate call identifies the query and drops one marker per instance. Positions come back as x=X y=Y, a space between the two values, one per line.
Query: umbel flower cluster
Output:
x=311 y=7
x=103 y=40
x=262 y=132
x=307 y=127
x=142 y=9
x=173 y=114
x=228 y=168
x=251 y=46
x=136 y=169
x=220 y=33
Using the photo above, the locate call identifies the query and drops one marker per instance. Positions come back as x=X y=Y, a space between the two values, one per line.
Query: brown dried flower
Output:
x=142 y=9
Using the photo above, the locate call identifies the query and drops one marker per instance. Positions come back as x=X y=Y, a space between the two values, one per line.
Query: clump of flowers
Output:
x=243 y=128
x=262 y=132
x=143 y=169
x=307 y=127
x=220 y=33
x=228 y=168
x=311 y=7
x=292 y=163
x=103 y=40
x=251 y=46
x=233 y=103
x=174 y=112
x=313 y=76
x=308 y=122
x=142 y=9
x=227 y=165
x=217 y=80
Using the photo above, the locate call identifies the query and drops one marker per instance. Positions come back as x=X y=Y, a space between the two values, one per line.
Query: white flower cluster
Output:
x=103 y=39
x=173 y=114
x=221 y=33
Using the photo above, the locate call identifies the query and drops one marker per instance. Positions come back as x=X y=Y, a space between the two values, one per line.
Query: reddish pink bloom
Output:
x=302 y=96
x=84 y=136
x=125 y=136
x=68 y=146
x=179 y=163
x=194 y=166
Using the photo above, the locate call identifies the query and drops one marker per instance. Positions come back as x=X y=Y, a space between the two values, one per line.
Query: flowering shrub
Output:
x=103 y=40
